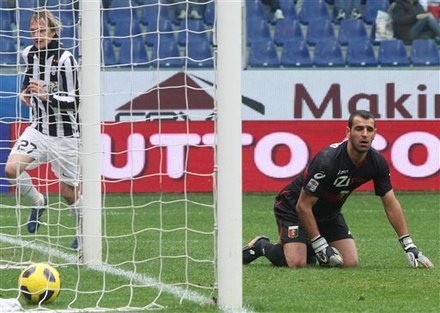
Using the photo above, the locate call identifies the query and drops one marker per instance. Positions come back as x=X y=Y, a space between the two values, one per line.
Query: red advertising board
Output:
x=176 y=156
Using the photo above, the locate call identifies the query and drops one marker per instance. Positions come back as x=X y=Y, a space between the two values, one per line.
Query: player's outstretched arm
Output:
x=326 y=255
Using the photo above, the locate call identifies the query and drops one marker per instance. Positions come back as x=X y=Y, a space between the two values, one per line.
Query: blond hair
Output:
x=52 y=22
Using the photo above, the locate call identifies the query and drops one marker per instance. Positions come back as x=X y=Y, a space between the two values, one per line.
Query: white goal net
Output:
x=145 y=232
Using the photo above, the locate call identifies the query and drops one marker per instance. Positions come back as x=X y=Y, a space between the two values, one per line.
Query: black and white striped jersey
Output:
x=58 y=70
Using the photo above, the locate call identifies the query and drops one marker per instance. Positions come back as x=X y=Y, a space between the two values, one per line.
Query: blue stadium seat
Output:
x=393 y=53
x=424 y=52
x=60 y=4
x=361 y=53
x=26 y=4
x=289 y=9
x=8 y=50
x=133 y=53
x=6 y=20
x=151 y=12
x=24 y=38
x=126 y=29
x=263 y=54
x=67 y=18
x=296 y=54
x=166 y=53
x=105 y=29
x=163 y=28
x=346 y=6
x=209 y=14
x=190 y=27
x=146 y=2
x=319 y=30
x=107 y=52
x=122 y=11
x=200 y=54
x=289 y=12
x=351 y=30
x=371 y=8
x=257 y=30
x=286 y=30
x=254 y=10
x=23 y=12
x=328 y=53
x=313 y=10
x=69 y=32
x=312 y=3
x=71 y=45
x=22 y=18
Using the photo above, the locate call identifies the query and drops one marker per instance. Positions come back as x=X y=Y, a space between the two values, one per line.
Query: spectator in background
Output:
x=193 y=9
x=425 y=3
x=298 y=4
x=275 y=8
x=411 y=21
x=348 y=8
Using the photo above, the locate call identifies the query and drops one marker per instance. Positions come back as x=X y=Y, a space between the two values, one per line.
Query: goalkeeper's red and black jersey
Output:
x=58 y=70
x=331 y=176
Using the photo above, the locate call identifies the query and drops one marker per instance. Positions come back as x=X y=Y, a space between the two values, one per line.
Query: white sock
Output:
x=26 y=188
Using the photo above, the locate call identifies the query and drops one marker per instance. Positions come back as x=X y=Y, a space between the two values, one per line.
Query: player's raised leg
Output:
x=17 y=176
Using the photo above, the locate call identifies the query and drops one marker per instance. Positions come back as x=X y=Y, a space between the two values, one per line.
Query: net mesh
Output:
x=158 y=169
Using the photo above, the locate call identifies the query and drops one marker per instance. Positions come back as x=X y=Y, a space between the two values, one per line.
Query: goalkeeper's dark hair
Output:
x=362 y=113
x=53 y=23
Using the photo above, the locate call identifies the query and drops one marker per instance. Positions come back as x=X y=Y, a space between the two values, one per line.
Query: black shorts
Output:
x=290 y=229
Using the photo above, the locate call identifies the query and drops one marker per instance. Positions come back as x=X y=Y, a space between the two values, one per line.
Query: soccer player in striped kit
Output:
x=50 y=89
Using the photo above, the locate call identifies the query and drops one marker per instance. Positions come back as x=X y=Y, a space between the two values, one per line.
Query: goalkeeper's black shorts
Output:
x=290 y=230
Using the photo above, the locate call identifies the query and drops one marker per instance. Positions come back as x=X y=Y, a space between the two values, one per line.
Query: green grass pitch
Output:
x=147 y=265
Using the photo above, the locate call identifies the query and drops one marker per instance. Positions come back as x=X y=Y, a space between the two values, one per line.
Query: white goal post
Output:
x=90 y=92
x=229 y=177
x=229 y=193
x=229 y=182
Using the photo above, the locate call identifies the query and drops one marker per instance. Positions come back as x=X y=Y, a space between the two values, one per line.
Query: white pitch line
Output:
x=140 y=278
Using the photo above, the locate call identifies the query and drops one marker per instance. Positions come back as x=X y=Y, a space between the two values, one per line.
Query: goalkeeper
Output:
x=308 y=210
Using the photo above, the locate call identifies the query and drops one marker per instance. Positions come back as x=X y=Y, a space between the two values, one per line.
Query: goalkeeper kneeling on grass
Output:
x=308 y=210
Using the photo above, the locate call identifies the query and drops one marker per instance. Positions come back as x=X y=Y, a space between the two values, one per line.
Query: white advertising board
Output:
x=394 y=94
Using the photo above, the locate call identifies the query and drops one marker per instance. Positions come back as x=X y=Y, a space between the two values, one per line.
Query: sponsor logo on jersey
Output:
x=52 y=87
x=293 y=231
x=343 y=194
x=312 y=185
x=319 y=176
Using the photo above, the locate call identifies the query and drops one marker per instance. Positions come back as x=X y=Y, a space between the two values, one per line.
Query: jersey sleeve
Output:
x=28 y=74
x=316 y=175
x=382 y=181
x=67 y=97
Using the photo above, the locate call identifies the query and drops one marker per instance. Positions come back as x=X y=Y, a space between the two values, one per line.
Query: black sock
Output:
x=274 y=253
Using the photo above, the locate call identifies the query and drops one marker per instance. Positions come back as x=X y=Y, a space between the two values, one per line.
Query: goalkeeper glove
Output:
x=414 y=256
x=326 y=255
